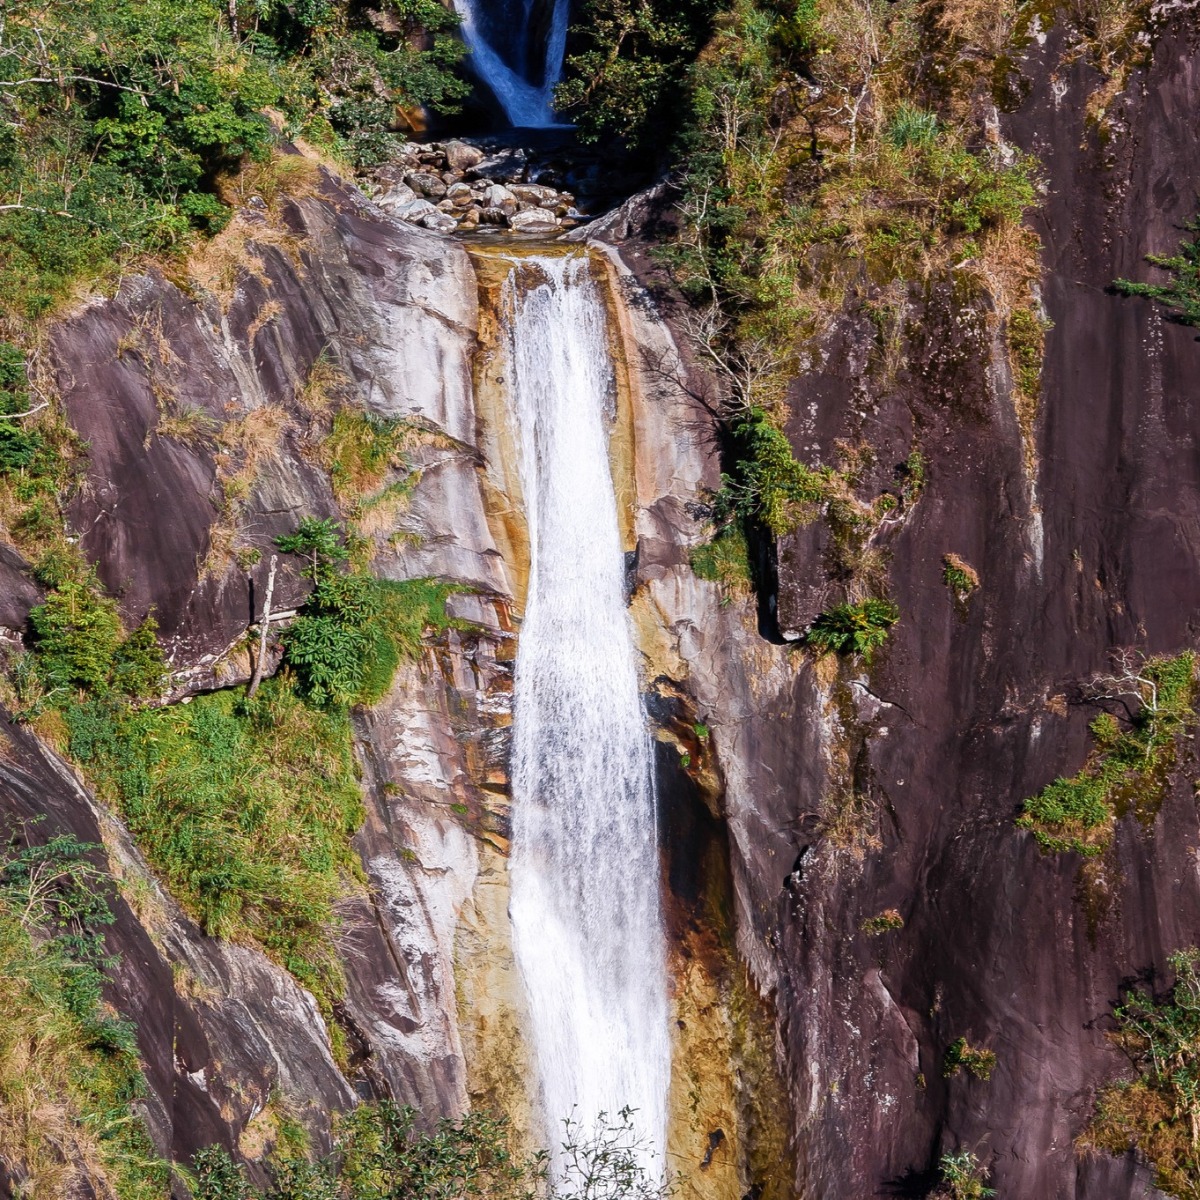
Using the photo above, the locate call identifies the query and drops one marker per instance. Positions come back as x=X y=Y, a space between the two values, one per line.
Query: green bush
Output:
x=725 y=560
x=347 y=642
x=246 y=809
x=963 y=1177
x=854 y=628
x=1182 y=294
x=911 y=126
x=1124 y=766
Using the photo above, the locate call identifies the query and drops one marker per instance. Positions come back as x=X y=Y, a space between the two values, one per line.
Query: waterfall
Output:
x=584 y=869
x=517 y=50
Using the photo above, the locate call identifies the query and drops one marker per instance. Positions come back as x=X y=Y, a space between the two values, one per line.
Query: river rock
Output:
x=533 y=220
x=396 y=197
x=498 y=196
x=491 y=215
x=426 y=183
x=460 y=156
x=439 y=222
x=531 y=193
x=507 y=165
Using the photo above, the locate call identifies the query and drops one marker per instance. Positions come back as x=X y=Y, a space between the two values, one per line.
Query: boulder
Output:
x=507 y=165
x=426 y=183
x=396 y=197
x=460 y=156
x=533 y=220
x=498 y=196
x=531 y=193
x=438 y=221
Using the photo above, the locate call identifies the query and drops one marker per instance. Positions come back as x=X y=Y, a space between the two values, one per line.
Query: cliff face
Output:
x=1085 y=541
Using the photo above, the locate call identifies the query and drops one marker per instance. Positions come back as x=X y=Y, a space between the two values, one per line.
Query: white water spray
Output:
x=504 y=51
x=585 y=906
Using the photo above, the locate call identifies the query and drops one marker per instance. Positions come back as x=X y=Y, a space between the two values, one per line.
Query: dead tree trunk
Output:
x=263 y=628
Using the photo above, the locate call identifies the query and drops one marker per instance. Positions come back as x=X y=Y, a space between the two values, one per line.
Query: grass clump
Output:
x=244 y=807
x=1127 y=767
x=1157 y=1112
x=853 y=628
x=1182 y=294
x=69 y=1071
x=961 y=1054
x=725 y=560
x=362 y=448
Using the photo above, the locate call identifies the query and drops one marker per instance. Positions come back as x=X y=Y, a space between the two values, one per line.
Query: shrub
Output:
x=1157 y=1112
x=961 y=1053
x=911 y=126
x=1182 y=294
x=1078 y=813
x=854 y=628
x=246 y=809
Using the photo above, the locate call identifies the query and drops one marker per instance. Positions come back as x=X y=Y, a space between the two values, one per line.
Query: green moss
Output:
x=245 y=808
x=1126 y=767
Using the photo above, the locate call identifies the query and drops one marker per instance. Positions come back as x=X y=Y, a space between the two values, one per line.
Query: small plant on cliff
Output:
x=885 y=922
x=725 y=560
x=1127 y=766
x=1158 y=1111
x=961 y=1053
x=963 y=1177
x=959 y=576
x=1182 y=294
x=854 y=628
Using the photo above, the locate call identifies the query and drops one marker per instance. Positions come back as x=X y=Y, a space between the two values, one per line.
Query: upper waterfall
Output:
x=517 y=49
x=585 y=900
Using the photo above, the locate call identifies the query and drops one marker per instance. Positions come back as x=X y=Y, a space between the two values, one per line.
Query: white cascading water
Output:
x=584 y=869
x=501 y=44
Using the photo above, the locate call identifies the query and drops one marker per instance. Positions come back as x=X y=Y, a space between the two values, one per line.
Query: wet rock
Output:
x=507 y=165
x=533 y=220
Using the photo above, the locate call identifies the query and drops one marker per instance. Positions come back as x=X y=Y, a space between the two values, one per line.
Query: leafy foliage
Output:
x=347 y=643
x=854 y=628
x=246 y=809
x=885 y=922
x=69 y=1072
x=626 y=60
x=1182 y=294
x=1126 y=766
x=725 y=559
x=959 y=576
x=122 y=116
x=1158 y=1111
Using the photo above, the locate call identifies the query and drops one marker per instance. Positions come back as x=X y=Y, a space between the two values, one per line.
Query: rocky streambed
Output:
x=457 y=186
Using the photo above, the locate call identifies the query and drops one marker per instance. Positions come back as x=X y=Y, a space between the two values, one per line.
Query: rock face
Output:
x=971 y=710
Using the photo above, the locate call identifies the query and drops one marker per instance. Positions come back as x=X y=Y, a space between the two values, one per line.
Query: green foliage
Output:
x=767 y=483
x=1125 y=767
x=959 y=576
x=1026 y=347
x=961 y=1053
x=963 y=1177
x=854 y=628
x=1158 y=1111
x=626 y=63
x=346 y=644
x=79 y=644
x=885 y=922
x=1182 y=294
x=911 y=126
x=246 y=809
x=19 y=445
x=725 y=560
x=361 y=448
x=121 y=116
x=69 y=1072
